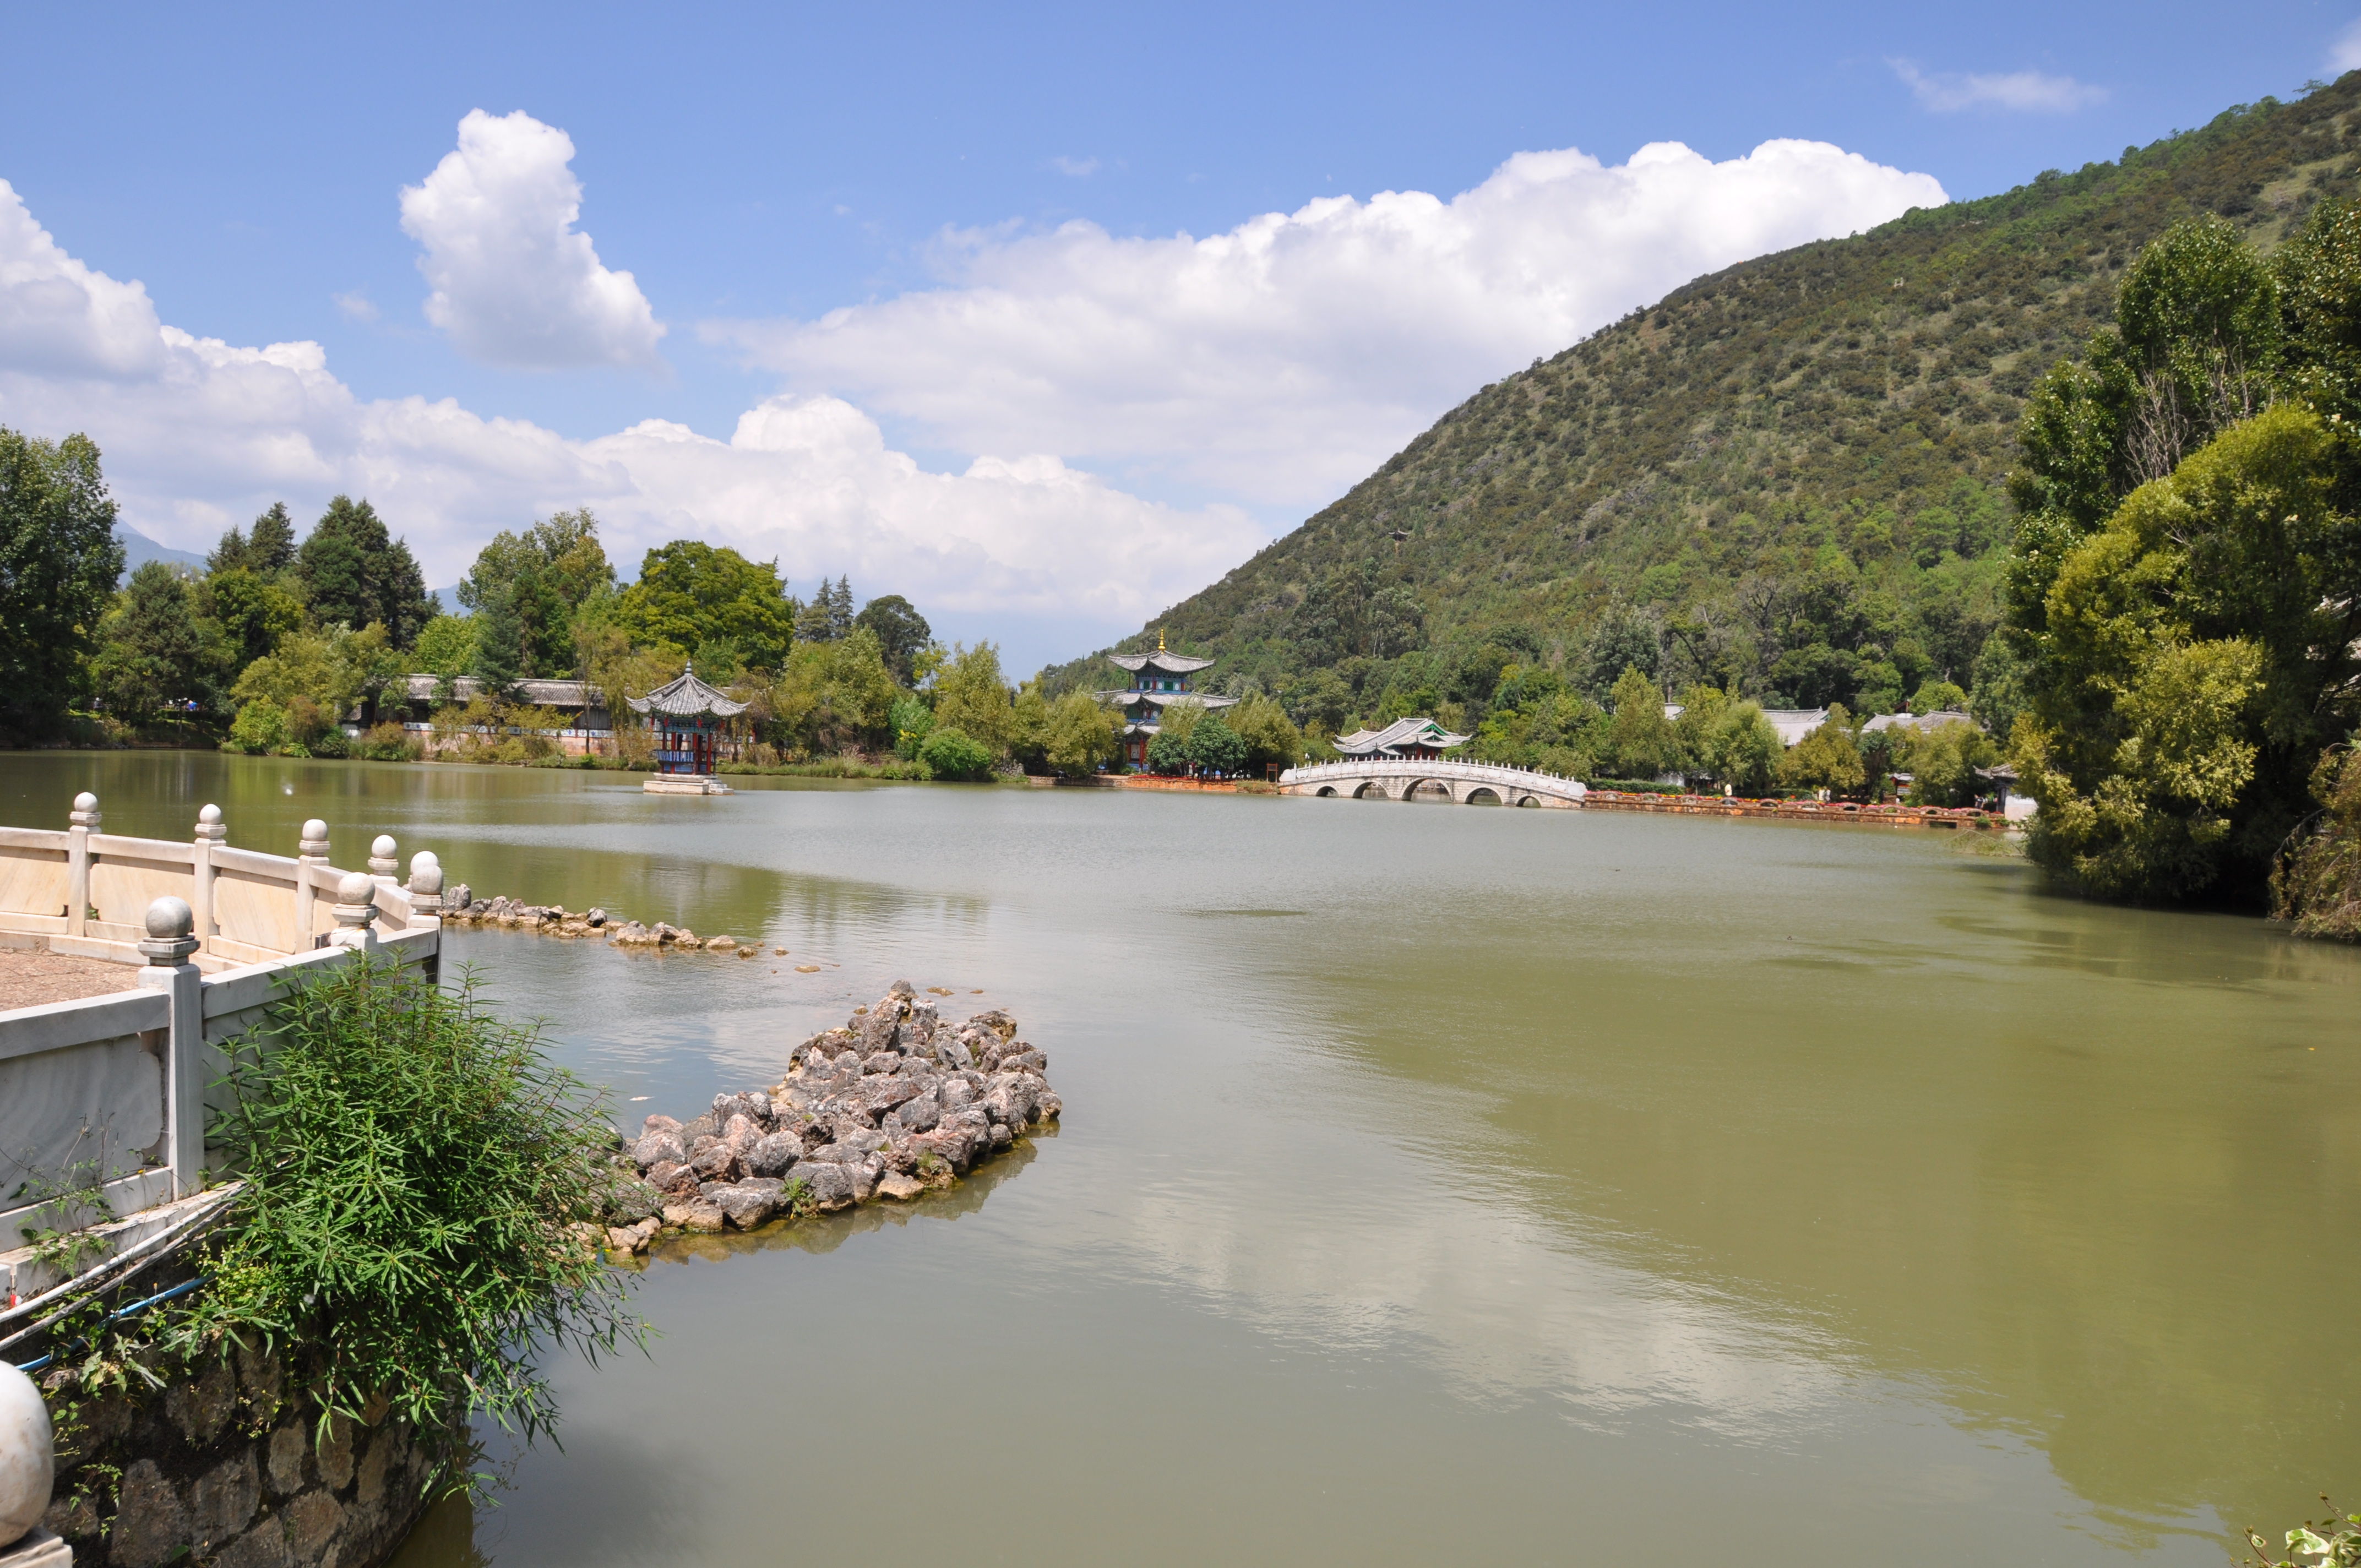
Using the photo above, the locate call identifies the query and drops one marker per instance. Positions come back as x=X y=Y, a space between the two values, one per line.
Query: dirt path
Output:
x=29 y=980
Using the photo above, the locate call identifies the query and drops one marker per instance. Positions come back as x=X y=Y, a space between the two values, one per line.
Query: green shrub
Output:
x=416 y=1172
x=388 y=743
x=953 y=755
x=1214 y=748
x=260 y=728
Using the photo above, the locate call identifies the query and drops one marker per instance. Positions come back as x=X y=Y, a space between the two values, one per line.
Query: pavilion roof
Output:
x=1166 y=699
x=686 y=698
x=1400 y=732
x=1170 y=663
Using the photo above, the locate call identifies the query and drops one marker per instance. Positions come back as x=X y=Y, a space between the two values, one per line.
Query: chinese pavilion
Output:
x=691 y=722
x=1420 y=738
x=1158 y=681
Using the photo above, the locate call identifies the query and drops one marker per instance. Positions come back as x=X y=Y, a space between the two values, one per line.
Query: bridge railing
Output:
x=1496 y=774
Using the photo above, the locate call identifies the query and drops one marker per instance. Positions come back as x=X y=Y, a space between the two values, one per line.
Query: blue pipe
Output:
x=120 y=1314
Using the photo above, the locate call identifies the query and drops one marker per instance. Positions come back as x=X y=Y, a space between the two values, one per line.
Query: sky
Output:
x=1043 y=316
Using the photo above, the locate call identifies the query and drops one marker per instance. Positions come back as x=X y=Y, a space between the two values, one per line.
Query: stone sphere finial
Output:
x=384 y=856
x=172 y=924
x=28 y=1456
x=383 y=846
x=169 y=916
x=209 y=824
x=315 y=828
x=209 y=815
x=85 y=801
x=85 y=810
x=357 y=888
x=315 y=840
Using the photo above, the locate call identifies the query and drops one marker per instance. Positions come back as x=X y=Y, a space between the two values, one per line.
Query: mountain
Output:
x=1788 y=474
x=138 y=550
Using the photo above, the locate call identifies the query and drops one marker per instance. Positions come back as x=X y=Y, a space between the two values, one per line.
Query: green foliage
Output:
x=255 y=612
x=2194 y=658
x=355 y=574
x=1942 y=762
x=690 y=592
x=502 y=643
x=902 y=633
x=415 y=1171
x=909 y=719
x=447 y=647
x=1080 y=735
x=832 y=695
x=1829 y=758
x=829 y=616
x=1270 y=736
x=1212 y=747
x=951 y=753
x=2328 y=1543
x=268 y=551
x=1168 y=753
x=152 y=648
x=535 y=584
x=2317 y=882
x=1643 y=741
x=1938 y=697
x=971 y=696
x=1777 y=469
x=1738 y=746
x=59 y=561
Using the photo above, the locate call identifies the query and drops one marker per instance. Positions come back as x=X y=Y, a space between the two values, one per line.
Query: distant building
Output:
x=1158 y=681
x=690 y=722
x=1925 y=723
x=1420 y=738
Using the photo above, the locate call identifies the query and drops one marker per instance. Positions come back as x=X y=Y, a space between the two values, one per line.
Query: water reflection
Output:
x=1479 y=1183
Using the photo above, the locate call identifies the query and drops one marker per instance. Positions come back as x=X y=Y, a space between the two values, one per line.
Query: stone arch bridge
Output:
x=1406 y=778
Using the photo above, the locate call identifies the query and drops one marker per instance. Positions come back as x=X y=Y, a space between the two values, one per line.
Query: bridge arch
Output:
x=1481 y=795
x=1328 y=791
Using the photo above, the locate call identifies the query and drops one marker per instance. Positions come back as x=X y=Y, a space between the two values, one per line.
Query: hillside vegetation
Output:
x=1787 y=479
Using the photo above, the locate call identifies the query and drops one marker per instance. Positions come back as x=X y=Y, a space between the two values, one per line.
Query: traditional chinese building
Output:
x=1158 y=681
x=691 y=722
x=1402 y=737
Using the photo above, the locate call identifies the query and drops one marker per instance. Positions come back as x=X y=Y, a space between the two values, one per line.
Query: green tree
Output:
x=353 y=572
x=834 y=694
x=1270 y=738
x=59 y=563
x=1829 y=758
x=901 y=631
x=1643 y=741
x=2317 y=884
x=1028 y=728
x=502 y=642
x=1742 y=749
x=267 y=551
x=1942 y=762
x=253 y=611
x=828 y=617
x=1081 y=736
x=951 y=753
x=972 y=696
x=546 y=573
x=447 y=647
x=1213 y=747
x=316 y=677
x=153 y=651
x=689 y=592
x=909 y=719
x=2198 y=656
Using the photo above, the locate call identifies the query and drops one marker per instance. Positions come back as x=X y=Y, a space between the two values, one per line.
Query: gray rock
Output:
x=743 y=1133
x=1001 y=1136
x=629 y=1203
x=951 y=1051
x=776 y=1154
x=956 y=1093
x=660 y=1123
x=920 y=1114
x=658 y=1148
x=900 y=1188
x=1051 y=1106
x=1026 y=1060
x=705 y=1127
x=881 y=1061
x=831 y=1187
x=719 y=1163
x=705 y=1216
x=748 y=1205
x=595 y=915
x=880 y=1093
x=223 y=1498
x=672 y=1180
x=750 y=1104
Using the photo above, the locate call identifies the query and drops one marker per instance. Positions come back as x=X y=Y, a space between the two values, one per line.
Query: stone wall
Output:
x=227 y=1469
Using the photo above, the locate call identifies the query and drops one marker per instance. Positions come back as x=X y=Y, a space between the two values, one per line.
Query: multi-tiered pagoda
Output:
x=1158 y=681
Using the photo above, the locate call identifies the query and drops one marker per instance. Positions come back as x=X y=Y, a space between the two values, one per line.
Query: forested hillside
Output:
x=1788 y=477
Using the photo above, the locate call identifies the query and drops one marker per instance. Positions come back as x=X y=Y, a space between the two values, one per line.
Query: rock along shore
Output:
x=893 y=1102
x=556 y=920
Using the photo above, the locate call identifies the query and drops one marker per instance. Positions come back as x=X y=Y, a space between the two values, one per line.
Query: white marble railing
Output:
x=1399 y=770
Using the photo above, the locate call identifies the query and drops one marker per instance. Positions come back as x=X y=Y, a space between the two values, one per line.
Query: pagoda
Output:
x=1158 y=681
x=1422 y=739
x=689 y=720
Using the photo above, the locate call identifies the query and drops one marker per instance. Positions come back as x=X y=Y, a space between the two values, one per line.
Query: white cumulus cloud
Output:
x=2344 y=54
x=198 y=434
x=515 y=284
x=1287 y=358
x=2026 y=92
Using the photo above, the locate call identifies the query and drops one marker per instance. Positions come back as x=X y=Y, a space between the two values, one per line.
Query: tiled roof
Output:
x=1925 y=723
x=540 y=694
x=1400 y=732
x=1166 y=699
x=686 y=698
x=1172 y=664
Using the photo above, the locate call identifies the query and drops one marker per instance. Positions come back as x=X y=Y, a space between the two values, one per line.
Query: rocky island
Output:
x=895 y=1102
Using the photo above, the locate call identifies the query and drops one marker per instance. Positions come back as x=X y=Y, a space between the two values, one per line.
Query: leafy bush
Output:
x=1214 y=748
x=260 y=728
x=909 y=719
x=417 y=1170
x=2317 y=883
x=388 y=743
x=953 y=755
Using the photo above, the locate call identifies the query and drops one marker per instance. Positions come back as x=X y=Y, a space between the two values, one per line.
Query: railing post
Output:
x=312 y=850
x=209 y=832
x=85 y=820
x=355 y=908
x=426 y=906
x=167 y=950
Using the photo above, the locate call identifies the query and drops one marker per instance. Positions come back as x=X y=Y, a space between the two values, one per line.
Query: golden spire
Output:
x=1160 y=639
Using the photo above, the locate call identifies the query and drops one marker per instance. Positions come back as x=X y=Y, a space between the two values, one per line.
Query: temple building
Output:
x=1157 y=680
x=691 y=725
x=1421 y=738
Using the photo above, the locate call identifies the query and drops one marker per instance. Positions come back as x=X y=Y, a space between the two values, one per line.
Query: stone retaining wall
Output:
x=227 y=1469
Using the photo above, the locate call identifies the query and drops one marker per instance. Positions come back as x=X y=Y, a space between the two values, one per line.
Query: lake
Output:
x=1436 y=1182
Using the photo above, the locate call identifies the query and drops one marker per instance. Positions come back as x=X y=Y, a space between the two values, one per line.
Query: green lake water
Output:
x=1437 y=1183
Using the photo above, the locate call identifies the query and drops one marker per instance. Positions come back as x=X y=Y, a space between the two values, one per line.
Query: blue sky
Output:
x=754 y=170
